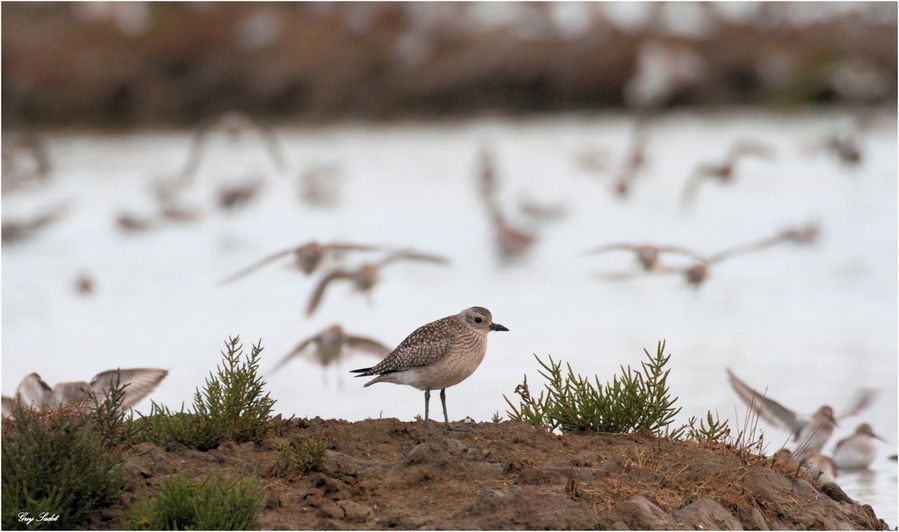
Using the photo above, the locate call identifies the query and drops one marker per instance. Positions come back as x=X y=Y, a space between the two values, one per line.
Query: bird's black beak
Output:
x=497 y=327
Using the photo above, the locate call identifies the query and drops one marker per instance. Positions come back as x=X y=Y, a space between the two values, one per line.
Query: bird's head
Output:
x=480 y=319
x=866 y=429
x=827 y=413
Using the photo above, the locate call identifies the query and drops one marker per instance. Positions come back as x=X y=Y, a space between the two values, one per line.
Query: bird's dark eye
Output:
x=478 y=320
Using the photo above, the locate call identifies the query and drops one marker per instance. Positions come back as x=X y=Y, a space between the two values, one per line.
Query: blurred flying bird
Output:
x=235 y=124
x=233 y=195
x=131 y=222
x=805 y=234
x=487 y=178
x=14 y=230
x=647 y=254
x=365 y=277
x=308 y=257
x=809 y=431
x=513 y=243
x=24 y=160
x=634 y=160
x=331 y=344
x=541 y=211
x=318 y=186
x=36 y=394
x=856 y=451
x=722 y=172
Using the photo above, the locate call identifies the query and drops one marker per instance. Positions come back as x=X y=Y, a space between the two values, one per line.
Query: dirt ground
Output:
x=389 y=474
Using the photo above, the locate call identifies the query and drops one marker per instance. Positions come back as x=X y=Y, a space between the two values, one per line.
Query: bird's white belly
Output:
x=448 y=371
x=854 y=454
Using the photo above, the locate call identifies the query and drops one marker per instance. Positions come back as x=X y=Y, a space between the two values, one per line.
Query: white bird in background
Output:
x=809 y=431
x=36 y=394
x=856 y=451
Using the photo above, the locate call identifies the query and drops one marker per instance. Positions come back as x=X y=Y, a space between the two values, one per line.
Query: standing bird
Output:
x=308 y=257
x=330 y=345
x=723 y=172
x=36 y=394
x=809 y=432
x=438 y=355
x=820 y=467
x=365 y=277
x=856 y=451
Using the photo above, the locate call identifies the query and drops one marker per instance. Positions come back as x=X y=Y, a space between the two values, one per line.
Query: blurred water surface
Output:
x=809 y=324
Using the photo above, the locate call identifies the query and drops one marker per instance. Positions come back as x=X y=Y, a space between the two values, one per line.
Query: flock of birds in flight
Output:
x=318 y=188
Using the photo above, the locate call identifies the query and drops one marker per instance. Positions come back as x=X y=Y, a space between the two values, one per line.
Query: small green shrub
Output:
x=54 y=462
x=113 y=425
x=496 y=417
x=211 y=505
x=232 y=404
x=634 y=401
x=711 y=429
x=304 y=456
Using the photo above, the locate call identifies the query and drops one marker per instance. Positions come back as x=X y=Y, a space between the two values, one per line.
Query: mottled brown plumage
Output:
x=437 y=355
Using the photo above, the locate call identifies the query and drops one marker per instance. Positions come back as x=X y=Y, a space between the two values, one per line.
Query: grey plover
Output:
x=858 y=450
x=308 y=257
x=36 y=394
x=809 y=431
x=722 y=172
x=437 y=355
x=366 y=276
x=331 y=344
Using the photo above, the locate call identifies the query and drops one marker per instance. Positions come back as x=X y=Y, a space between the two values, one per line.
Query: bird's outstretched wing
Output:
x=9 y=406
x=748 y=147
x=33 y=392
x=688 y=196
x=617 y=246
x=322 y=285
x=293 y=352
x=139 y=382
x=768 y=409
x=256 y=265
x=413 y=256
x=678 y=250
x=862 y=400
x=340 y=247
x=367 y=344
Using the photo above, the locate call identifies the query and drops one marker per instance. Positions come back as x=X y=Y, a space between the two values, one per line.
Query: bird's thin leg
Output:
x=427 y=400
x=443 y=401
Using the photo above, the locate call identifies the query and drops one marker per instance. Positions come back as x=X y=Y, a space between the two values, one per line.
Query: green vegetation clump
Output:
x=634 y=401
x=711 y=429
x=54 y=463
x=232 y=404
x=496 y=417
x=303 y=456
x=212 y=505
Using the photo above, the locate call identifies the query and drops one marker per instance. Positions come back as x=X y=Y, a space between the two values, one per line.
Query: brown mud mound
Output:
x=390 y=474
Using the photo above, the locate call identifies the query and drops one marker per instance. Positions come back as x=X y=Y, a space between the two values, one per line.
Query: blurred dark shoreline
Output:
x=173 y=64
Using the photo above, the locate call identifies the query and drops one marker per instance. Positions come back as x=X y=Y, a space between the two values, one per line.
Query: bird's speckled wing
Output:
x=426 y=345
